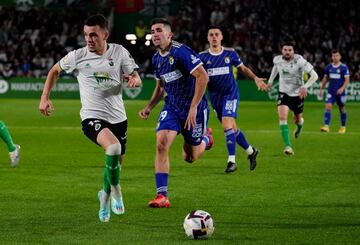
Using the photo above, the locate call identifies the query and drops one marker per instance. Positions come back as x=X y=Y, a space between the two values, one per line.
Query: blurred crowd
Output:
x=255 y=28
x=31 y=41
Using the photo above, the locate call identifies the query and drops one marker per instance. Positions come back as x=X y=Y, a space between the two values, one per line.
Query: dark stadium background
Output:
x=34 y=36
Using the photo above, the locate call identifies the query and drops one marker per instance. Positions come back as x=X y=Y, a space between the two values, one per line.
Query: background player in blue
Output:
x=338 y=76
x=224 y=95
x=178 y=72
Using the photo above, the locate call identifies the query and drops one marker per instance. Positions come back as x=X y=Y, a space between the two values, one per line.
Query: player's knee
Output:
x=161 y=145
x=114 y=149
x=328 y=106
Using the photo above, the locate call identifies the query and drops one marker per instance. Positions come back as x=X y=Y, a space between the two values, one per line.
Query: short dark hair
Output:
x=160 y=21
x=288 y=43
x=97 y=20
x=214 y=27
x=334 y=51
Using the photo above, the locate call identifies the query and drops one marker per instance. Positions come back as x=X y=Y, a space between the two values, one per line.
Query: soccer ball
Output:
x=198 y=224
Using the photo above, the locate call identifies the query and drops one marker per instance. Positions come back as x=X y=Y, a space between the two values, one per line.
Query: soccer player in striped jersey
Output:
x=224 y=95
x=14 y=149
x=180 y=74
x=292 y=90
x=101 y=70
x=338 y=76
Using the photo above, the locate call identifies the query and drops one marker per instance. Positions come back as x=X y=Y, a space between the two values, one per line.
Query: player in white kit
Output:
x=101 y=69
x=292 y=90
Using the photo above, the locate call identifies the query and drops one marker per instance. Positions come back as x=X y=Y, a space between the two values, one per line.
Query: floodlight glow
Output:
x=148 y=37
x=147 y=43
x=130 y=37
x=133 y=42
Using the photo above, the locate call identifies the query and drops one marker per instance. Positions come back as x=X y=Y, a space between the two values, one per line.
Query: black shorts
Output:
x=294 y=103
x=92 y=127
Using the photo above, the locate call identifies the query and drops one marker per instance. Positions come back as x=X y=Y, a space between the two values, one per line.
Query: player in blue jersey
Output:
x=338 y=76
x=224 y=95
x=179 y=73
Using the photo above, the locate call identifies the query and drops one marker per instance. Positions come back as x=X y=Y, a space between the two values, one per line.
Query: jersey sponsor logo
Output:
x=101 y=77
x=334 y=76
x=171 y=60
x=194 y=59
x=171 y=76
x=227 y=60
x=218 y=71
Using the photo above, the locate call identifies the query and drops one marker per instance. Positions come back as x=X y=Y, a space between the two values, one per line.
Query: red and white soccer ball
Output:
x=199 y=224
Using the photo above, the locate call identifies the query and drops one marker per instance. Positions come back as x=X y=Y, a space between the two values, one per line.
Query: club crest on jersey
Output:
x=227 y=60
x=111 y=63
x=171 y=60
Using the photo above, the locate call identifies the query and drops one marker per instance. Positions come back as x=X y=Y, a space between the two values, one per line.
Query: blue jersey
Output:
x=174 y=70
x=336 y=75
x=222 y=86
x=220 y=70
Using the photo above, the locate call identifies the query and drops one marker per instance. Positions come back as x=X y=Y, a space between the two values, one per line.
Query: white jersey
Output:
x=100 y=81
x=291 y=73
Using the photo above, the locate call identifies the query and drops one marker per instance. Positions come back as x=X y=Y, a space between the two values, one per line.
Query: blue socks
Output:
x=161 y=183
x=343 y=119
x=230 y=141
x=327 y=117
x=240 y=139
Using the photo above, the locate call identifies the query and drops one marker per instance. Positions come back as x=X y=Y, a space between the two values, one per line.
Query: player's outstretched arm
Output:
x=250 y=74
x=200 y=87
x=157 y=95
x=45 y=106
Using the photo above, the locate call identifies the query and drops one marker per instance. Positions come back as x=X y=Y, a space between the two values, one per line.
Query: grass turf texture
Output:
x=311 y=197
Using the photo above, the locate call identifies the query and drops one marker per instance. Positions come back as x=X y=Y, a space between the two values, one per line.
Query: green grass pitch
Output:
x=312 y=197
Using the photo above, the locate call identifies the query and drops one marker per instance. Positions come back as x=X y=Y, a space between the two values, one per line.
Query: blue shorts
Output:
x=225 y=107
x=332 y=97
x=168 y=120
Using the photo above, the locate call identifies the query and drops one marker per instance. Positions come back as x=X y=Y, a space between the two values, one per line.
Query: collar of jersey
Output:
x=167 y=52
x=336 y=66
x=107 y=48
x=216 y=54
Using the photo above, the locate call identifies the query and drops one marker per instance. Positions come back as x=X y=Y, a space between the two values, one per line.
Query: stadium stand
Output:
x=31 y=41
